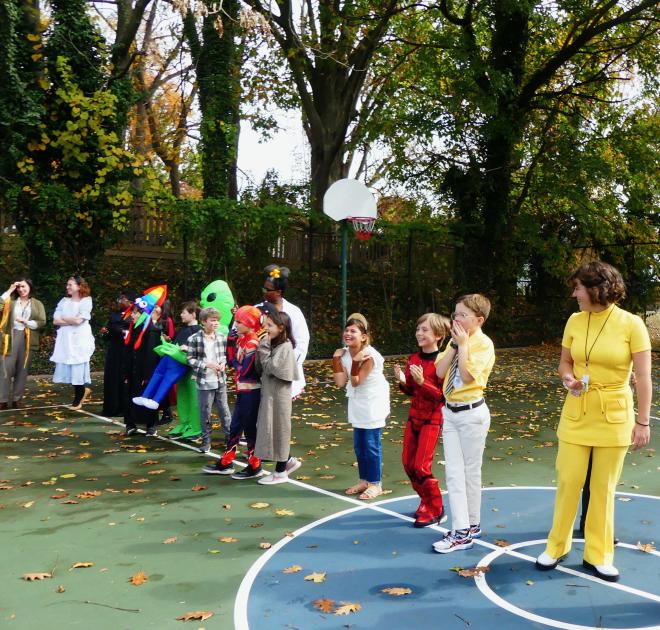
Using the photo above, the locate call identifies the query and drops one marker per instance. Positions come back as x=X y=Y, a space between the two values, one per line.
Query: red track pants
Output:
x=419 y=441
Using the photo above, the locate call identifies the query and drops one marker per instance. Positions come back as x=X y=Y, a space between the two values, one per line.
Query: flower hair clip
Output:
x=275 y=273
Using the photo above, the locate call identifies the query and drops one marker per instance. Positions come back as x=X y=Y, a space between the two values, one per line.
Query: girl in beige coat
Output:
x=276 y=361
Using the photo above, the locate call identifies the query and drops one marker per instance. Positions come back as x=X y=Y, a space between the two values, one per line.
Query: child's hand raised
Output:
x=399 y=374
x=459 y=334
x=417 y=373
x=361 y=356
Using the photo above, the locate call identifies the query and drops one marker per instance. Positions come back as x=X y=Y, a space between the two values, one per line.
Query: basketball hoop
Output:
x=363 y=226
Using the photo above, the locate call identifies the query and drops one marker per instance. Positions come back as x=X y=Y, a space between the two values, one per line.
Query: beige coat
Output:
x=278 y=369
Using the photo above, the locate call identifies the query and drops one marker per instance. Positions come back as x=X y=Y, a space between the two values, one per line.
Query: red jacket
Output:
x=427 y=399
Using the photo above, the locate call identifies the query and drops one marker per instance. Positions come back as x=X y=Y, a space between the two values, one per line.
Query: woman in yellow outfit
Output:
x=601 y=344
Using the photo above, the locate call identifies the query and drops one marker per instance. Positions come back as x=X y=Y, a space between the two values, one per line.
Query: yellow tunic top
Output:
x=481 y=358
x=604 y=416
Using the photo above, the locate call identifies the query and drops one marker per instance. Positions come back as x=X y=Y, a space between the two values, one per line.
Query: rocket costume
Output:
x=421 y=436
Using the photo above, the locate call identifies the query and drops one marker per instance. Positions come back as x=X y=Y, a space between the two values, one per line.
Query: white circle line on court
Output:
x=242 y=597
x=484 y=587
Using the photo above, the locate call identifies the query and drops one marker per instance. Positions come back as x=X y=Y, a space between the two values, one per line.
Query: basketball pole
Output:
x=344 y=273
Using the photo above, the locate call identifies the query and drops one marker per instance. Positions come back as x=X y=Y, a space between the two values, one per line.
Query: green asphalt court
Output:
x=101 y=531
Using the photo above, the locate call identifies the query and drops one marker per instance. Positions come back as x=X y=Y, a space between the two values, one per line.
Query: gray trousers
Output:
x=206 y=398
x=12 y=369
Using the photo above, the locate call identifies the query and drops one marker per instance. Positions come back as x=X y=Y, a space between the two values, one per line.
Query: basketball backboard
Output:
x=348 y=198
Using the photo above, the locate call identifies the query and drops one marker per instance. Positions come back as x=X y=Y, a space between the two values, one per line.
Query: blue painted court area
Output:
x=363 y=550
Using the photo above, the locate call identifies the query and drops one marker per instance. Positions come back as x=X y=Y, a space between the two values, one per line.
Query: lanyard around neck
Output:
x=588 y=354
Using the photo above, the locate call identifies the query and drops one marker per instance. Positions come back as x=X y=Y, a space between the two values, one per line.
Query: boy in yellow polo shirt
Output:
x=465 y=365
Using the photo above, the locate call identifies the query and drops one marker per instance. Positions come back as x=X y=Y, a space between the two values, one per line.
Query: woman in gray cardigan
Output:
x=22 y=317
x=276 y=361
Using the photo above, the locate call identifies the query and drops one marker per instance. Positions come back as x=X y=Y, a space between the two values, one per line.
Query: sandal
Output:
x=372 y=491
x=359 y=487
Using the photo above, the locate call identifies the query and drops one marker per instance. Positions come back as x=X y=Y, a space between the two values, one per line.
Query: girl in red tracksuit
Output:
x=241 y=355
x=420 y=381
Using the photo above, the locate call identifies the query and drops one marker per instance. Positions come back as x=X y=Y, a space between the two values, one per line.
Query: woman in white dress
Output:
x=74 y=344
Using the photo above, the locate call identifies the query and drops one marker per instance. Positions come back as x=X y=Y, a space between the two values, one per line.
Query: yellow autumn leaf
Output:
x=295 y=568
x=317 y=578
x=81 y=565
x=324 y=605
x=170 y=540
x=138 y=578
x=283 y=512
x=228 y=539
x=645 y=547
x=260 y=505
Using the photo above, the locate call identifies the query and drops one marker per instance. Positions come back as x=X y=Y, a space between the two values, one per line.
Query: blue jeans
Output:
x=367 y=445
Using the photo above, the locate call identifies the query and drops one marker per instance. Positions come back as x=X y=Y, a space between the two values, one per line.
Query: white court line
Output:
x=378 y=508
x=243 y=594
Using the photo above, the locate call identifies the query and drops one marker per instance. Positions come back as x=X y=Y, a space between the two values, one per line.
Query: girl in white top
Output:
x=359 y=367
x=74 y=344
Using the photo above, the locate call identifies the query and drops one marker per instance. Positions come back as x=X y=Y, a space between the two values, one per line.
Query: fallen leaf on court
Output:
x=157 y=471
x=260 y=505
x=68 y=476
x=529 y=582
x=227 y=506
x=150 y=462
x=197 y=615
x=456 y=569
x=265 y=545
x=283 y=512
x=198 y=488
x=317 y=578
x=474 y=571
x=324 y=605
x=62 y=495
x=645 y=547
x=303 y=477
x=84 y=456
x=292 y=569
x=31 y=577
x=60 y=589
x=138 y=578
x=228 y=539
x=81 y=565
x=173 y=478
x=89 y=494
x=70 y=502
x=397 y=591
x=28 y=504
x=140 y=480
x=500 y=542
x=347 y=608
x=326 y=476
x=169 y=541
x=132 y=490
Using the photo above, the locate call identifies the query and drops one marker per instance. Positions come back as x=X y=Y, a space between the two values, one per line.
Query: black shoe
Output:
x=130 y=431
x=247 y=473
x=151 y=432
x=218 y=470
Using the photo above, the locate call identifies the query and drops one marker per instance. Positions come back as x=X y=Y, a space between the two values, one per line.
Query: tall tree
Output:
x=329 y=46
x=216 y=58
x=492 y=84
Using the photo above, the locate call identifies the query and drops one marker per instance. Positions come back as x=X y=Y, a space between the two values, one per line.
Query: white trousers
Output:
x=464 y=439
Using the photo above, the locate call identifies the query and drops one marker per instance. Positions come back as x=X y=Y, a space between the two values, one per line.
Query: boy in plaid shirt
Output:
x=206 y=355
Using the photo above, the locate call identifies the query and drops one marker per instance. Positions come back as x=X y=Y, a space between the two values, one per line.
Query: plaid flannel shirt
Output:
x=197 y=357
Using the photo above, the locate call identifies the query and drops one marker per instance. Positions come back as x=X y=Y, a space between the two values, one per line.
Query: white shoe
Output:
x=607 y=572
x=149 y=404
x=273 y=478
x=293 y=464
x=138 y=400
x=545 y=562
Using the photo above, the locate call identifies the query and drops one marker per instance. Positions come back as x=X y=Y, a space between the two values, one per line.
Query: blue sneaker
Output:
x=475 y=531
x=453 y=541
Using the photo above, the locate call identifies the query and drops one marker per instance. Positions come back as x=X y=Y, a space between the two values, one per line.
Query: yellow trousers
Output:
x=571 y=466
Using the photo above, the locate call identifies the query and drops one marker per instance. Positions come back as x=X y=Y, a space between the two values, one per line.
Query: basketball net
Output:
x=363 y=226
